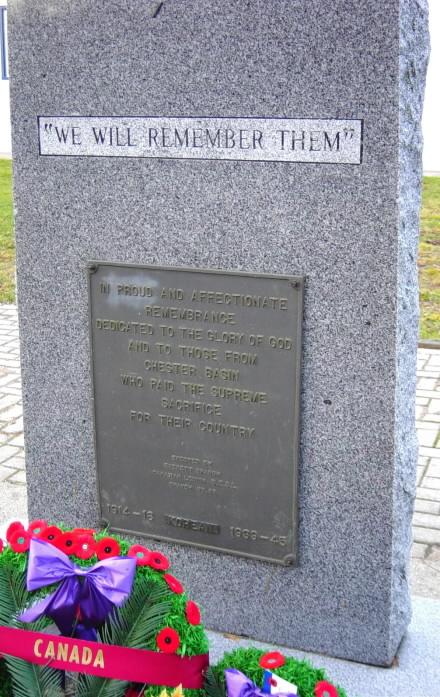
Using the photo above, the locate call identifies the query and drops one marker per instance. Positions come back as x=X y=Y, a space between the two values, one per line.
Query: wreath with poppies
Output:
x=156 y=615
x=252 y=662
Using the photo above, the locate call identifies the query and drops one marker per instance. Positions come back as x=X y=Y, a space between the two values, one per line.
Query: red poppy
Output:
x=50 y=534
x=16 y=525
x=192 y=612
x=37 y=527
x=83 y=531
x=1 y=545
x=272 y=660
x=141 y=554
x=159 y=561
x=173 y=583
x=168 y=640
x=325 y=689
x=85 y=547
x=107 y=547
x=20 y=540
x=67 y=543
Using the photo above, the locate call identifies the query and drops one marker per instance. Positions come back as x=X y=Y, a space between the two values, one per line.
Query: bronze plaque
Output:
x=196 y=389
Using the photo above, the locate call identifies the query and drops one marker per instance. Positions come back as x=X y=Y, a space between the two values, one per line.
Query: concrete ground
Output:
x=426 y=523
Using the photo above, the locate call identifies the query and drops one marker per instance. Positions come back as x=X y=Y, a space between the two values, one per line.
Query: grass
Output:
x=429 y=259
x=7 y=245
x=429 y=252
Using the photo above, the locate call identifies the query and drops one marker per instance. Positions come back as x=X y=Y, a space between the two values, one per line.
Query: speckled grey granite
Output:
x=350 y=229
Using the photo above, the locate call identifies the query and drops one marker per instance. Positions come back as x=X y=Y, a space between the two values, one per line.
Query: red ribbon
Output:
x=105 y=660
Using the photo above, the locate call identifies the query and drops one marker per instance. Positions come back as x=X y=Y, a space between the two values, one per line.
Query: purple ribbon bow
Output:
x=85 y=597
x=238 y=685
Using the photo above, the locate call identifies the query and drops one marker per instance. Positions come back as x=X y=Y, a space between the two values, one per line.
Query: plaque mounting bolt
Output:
x=92 y=267
x=289 y=560
x=295 y=284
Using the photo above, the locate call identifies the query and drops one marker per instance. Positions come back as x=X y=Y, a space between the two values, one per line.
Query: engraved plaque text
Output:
x=196 y=388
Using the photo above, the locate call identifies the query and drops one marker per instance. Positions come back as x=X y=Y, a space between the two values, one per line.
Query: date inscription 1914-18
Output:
x=196 y=392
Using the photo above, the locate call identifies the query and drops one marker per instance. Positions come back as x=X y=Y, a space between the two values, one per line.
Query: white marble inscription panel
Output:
x=337 y=141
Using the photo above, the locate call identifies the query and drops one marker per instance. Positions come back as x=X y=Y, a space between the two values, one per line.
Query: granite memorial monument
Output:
x=216 y=210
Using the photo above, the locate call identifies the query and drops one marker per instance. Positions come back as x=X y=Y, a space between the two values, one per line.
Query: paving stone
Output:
x=427 y=436
x=12 y=391
x=7 y=401
x=427 y=384
x=17 y=477
x=434 y=418
x=18 y=440
x=434 y=553
x=7 y=451
x=433 y=470
x=428 y=494
x=18 y=463
x=427 y=536
x=418 y=551
x=14 y=427
x=429 y=452
x=6 y=380
x=424 y=580
x=425 y=520
x=423 y=506
x=420 y=412
x=431 y=483
x=422 y=401
x=4 y=355
x=5 y=473
x=434 y=406
x=11 y=413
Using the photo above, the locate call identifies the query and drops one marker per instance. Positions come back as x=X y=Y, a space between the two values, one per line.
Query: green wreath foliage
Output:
x=300 y=673
x=152 y=606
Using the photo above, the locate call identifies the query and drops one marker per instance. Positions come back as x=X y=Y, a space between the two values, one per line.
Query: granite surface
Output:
x=350 y=229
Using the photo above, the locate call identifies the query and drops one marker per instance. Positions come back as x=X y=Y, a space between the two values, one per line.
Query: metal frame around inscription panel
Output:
x=196 y=446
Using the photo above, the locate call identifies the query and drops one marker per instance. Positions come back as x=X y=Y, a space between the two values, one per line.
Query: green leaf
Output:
x=212 y=686
x=27 y=678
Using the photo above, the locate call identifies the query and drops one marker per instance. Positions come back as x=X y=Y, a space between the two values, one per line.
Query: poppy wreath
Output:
x=146 y=618
x=252 y=662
